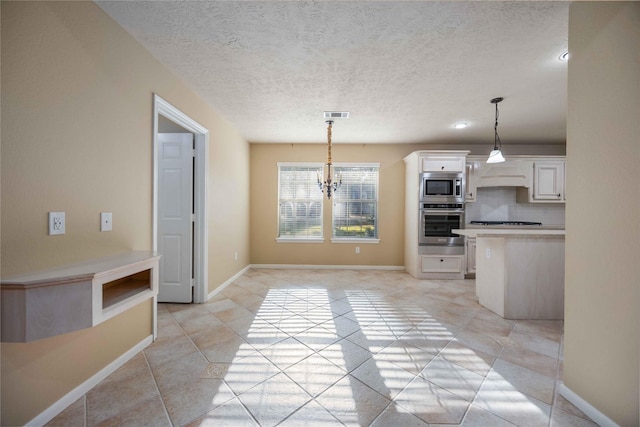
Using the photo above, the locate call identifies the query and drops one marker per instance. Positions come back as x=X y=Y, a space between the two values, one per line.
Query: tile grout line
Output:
x=155 y=383
x=484 y=380
x=555 y=381
x=86 y=410
x=236 y=396
x=390 y=324
x=223 y=381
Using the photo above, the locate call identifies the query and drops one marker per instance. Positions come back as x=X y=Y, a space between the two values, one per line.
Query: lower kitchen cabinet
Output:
x=471 y=255
x=442 y=263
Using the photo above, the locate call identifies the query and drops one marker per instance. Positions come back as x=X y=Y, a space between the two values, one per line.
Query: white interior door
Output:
x=175 y=216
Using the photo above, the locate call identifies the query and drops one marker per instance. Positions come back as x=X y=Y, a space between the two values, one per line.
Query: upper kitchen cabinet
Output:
x=548 y=181
x=538 y=179
x=515 y=172
x=547 y=184
x=442 y=163
x=472 y=168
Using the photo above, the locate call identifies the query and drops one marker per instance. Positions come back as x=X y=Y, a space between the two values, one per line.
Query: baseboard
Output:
x=227 y=282
x=52 y=411
x=329 y=267
x=590 y=411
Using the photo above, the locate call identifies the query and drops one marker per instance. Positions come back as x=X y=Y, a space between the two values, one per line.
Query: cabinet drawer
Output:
x=442 y=263
x=451 y=164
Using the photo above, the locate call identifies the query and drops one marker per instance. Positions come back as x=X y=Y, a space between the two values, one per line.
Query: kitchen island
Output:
x=520 y=270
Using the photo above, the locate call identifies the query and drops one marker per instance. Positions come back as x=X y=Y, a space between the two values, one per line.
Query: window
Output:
x=355 y=204
x=299 y=202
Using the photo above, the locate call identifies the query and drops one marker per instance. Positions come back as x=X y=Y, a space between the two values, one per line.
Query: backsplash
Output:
x=499 y=204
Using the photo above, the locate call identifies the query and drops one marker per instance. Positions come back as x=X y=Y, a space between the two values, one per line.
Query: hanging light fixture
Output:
x=496 y=154
x=329 y=184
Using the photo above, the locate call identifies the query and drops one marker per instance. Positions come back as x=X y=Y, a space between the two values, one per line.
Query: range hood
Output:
x=514 y=174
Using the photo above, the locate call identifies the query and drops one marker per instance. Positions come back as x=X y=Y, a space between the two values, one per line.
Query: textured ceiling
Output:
x=406 y=71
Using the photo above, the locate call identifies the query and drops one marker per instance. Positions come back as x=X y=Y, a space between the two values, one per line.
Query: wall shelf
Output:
x=121 y=290
x=78 y=296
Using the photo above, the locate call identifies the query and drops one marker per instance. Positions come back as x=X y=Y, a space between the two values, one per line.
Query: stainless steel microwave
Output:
x=442 y=187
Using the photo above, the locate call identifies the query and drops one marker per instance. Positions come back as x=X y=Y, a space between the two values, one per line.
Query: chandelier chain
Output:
x=329 y=184
x=330 y=123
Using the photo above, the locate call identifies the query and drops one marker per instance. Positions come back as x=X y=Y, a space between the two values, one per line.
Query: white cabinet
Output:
x=564 y=181
x=433 y=262
x=471 y=255
x=548 y=181
x=470 y=180
x=515 y=172
x=538 y=179
x=443 y=163
x=442 y=263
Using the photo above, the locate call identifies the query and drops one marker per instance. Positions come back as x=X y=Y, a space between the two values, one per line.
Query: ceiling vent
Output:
x=336 y=114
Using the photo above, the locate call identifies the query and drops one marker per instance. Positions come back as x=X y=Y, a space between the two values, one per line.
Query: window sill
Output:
x=298 y=240
x=354 y=240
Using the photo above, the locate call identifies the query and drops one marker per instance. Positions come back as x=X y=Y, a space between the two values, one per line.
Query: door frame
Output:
x=201 y=170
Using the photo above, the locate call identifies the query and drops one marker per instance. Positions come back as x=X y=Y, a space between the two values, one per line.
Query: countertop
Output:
x=512 y=230
x=84 y=269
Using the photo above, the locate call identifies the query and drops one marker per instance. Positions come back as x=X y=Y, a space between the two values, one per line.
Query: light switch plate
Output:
x=106 y=223
x=56 y=223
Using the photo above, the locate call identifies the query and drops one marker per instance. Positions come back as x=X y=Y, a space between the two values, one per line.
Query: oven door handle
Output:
x=433 y=212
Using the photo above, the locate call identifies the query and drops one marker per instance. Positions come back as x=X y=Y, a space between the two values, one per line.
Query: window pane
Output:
x=300 y=202
x=355 y=203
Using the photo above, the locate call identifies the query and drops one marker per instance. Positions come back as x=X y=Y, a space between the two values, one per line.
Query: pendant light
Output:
x=496 y=154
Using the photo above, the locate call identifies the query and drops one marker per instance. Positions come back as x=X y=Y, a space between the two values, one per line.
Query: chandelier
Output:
x=496 y=154
x=329 y=184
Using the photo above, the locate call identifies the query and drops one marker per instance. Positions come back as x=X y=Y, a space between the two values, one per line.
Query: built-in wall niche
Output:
x=121 y=289
x=69 y=298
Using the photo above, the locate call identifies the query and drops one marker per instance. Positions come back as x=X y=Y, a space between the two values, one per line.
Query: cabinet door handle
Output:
x=558 y=195
x=441 y=260
x=442 y=168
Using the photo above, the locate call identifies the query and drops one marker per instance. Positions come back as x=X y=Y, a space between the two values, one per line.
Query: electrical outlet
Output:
x=357 y=249
x=56 y=223
x=235 y=256
x=106 y=221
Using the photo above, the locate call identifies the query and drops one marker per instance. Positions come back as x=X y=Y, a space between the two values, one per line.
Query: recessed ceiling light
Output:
x=460 y=125
x=564 y=56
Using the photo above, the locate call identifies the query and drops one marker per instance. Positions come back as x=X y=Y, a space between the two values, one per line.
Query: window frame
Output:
x=288 y=239
x=349 y=239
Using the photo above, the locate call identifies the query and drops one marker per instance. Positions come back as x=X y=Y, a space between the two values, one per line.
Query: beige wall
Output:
x=390 y=250
x=76 y=137
x=37 y=374
x=602 y=303
x=264 y=206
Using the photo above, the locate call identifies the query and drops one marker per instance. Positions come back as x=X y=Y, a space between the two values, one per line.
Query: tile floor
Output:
x=332 y=348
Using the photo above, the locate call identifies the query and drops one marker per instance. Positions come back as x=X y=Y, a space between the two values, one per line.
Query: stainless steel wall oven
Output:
x=436 y=224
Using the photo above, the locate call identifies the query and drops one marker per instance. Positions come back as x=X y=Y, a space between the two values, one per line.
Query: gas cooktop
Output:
x=505 y=223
